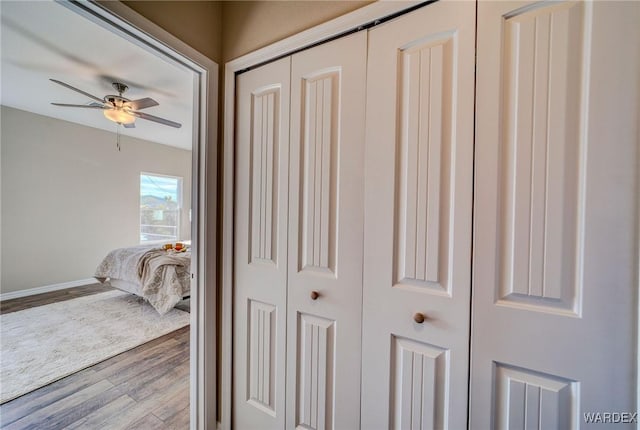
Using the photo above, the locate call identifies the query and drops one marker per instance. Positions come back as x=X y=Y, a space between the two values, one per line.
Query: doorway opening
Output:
x=201 y=90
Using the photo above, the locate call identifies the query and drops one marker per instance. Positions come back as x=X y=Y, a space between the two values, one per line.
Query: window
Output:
x=160 y=204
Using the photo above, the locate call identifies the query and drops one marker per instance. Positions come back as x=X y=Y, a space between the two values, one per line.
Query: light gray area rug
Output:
x=43 y=344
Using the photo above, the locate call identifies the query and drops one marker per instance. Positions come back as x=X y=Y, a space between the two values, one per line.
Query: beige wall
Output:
x=69 y=196
x=224 y=30
x=249 y=25
x=197 y=23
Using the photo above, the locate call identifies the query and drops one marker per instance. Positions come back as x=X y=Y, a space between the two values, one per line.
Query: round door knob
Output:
x=315 y=295
x=419 y=318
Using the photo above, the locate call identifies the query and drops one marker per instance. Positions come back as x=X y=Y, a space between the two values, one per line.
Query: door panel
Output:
x=533 y=400
x=260 y=247
x=325 y=234
x=541 y=148
x=418 y=392
x=418 y=166
x=316 y=371
x=556 y=227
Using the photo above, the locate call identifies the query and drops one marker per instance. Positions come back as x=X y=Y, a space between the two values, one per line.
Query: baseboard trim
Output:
x=46 y=289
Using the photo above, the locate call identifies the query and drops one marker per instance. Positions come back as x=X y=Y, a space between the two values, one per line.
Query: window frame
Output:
x=179 y=196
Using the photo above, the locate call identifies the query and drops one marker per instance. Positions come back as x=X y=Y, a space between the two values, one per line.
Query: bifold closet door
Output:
x=420 y=90
x=556 y=222
x=260 y=246
x=325 y=235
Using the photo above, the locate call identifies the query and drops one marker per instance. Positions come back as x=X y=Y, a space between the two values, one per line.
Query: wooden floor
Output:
x=22 y=303
x=144 y=388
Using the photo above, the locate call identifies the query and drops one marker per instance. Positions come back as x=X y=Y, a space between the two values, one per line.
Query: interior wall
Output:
x=197 y=23
x=224 y=30
x=250 y=25
x=69 y=196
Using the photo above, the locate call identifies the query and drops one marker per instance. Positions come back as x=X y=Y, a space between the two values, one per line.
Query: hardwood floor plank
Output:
x=149 y=421
x=150 y=369
x=174 y=405
x=100 y=418
x=63 y=417
x=126 y=417
x=142 y=357
x=173 y=380
x=38 y=399
x=21 y=303
x=179 y=421
x=35 y=419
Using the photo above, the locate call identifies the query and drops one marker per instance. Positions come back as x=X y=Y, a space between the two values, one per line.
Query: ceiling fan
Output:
x=118 y=108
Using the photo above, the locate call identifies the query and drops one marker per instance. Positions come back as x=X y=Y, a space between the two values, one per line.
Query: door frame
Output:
x=360 y=19
x=121 y=20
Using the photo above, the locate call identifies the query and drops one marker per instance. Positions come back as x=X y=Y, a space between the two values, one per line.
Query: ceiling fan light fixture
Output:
x=119 y=116
x=117 y=108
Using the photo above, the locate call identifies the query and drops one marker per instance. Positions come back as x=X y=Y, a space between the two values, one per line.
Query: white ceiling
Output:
x=43 y=39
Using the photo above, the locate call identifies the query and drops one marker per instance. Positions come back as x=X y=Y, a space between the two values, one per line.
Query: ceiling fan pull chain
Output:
x=118 y=137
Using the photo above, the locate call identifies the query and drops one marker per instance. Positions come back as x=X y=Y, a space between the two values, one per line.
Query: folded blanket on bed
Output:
x=160 y=283
x=156 y=270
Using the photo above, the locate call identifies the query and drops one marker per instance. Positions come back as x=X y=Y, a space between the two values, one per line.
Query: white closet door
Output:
x=325 y=235
x=418 y=219
x=260 y=254
x=556 y=220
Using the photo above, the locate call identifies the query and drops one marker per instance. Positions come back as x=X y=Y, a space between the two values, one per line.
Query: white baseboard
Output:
x=46 y=289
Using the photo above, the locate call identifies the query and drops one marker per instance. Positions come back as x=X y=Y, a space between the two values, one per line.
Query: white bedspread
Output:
x=161 y=274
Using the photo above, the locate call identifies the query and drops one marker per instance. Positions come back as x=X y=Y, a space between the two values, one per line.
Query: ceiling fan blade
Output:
x=132 y=125
x=77 y=90
x=148 y=117
x=91 y=106
x=144 y=103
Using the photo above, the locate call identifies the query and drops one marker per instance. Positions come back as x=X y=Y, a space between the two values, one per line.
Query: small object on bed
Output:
x=175 y=247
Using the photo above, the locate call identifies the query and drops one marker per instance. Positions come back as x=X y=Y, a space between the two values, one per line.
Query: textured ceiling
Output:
x=43 y=39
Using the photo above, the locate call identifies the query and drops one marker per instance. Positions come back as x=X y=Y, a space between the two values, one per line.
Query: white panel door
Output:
x=418 y=219
x=260 y=247
x=556 y=218
x=325 y=235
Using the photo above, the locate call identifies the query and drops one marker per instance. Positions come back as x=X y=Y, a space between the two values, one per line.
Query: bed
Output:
x=160 y=276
